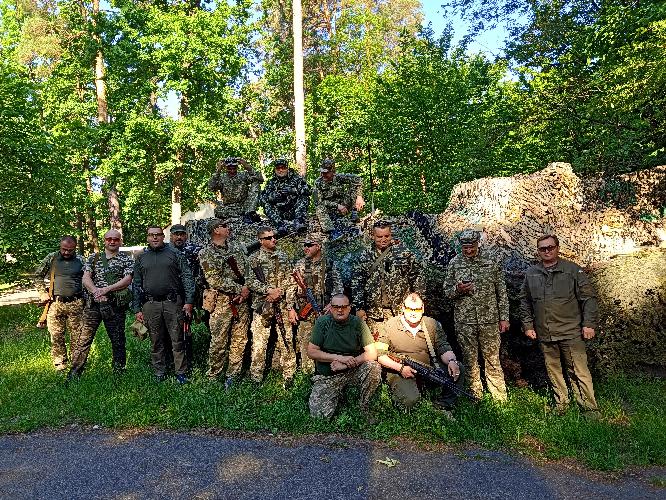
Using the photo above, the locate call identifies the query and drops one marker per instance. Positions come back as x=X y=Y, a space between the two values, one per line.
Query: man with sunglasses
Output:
x=106 y=276
x=559 y=309
x=239 y=190
x=384 y=275
x=64 y=269
x=418 y=337
x=268 y=277
x=321 y=275
x=344 y=354
x=477 y=287
x=225 y=267
x=286 y=198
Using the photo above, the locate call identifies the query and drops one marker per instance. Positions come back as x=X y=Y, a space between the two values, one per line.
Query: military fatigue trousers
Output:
x=303 y=335
x=63 y=316
x=327 y=390
x=570 y=353
x=228 y=337
x=484 y=340
x=115 y=329
x=406 y=392
x=261 y=331
x=164 y=320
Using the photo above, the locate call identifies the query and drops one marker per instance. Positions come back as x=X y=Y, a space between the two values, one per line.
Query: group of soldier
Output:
x=307 y=305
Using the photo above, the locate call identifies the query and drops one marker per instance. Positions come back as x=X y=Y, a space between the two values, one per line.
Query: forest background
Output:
x=86 y=140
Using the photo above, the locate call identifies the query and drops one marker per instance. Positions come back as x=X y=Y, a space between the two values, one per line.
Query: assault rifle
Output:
x=437 y=376
x=240 y=279
x=277 y=314
x=312 y=304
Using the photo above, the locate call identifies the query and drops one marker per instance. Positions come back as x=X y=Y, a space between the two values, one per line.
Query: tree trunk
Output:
x=299 y=98
x=91 y=225
x=114 y=209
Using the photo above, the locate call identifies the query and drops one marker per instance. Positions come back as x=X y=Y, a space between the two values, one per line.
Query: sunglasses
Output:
x=111 y=239
x=549 y=248
x=268 y=238
x=413 y=309
x=309 y=245
x=340 y=307
x=155 y=235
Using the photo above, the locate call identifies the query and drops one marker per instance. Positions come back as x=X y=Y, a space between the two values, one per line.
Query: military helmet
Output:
x=469 y=237
x=327 y=165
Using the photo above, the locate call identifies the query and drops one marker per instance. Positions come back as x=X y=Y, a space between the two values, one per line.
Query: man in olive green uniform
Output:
x=269 y=306
x=385 y=274
x=65 y=292
x=337 y=197
x=418 y=337
x=106 y=276
x=344 y=354
x=321 y=276
x=225 y=266
x=477 y=288
x=559 y=308
x=163 y=293
x=239 y=190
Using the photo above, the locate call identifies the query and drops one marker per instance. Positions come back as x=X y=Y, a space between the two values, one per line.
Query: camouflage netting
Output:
x=598 y=220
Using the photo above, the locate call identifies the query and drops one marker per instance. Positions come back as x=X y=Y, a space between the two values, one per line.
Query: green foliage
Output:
x=33 y=396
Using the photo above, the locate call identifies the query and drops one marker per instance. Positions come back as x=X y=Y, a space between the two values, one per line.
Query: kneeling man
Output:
x=342 y=348
x=413 y=335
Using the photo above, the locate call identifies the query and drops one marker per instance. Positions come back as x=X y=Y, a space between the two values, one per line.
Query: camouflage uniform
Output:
x=113 y=312
x=324 y=279
x=191 y=253
x=220 y=276
x=239 y=193
x=382 y=280
x=477 y=316
x=285 y=199
x=276 y=268
x=342 y=190
x=66 y=308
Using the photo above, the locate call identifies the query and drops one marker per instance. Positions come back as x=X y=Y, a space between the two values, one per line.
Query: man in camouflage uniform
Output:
x=477 y=288
x=385 y=274
x=65 y=293
x=106 y=276
x=344 y=354
x=163 y=294
x=239 y=190
x=286 y=198
x=559 y=308
x=269 y=306
x=321 y=276
x=337 y=198
x=225 y=266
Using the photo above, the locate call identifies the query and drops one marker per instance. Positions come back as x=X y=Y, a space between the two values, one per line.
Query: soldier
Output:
x=106 y=276
x=286 y=198
x=239 y=190
x=477 y=288
x=422 y=339
x=163 y=293
x=344 y=354
x=65 y=295
x=321 y=276
x=225 y=266
x=336 y=197
x=269 y=278
x=385 y=274
x=559 y=308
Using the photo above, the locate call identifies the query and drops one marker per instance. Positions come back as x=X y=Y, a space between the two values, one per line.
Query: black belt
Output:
x=62 y=298
x=171 y=296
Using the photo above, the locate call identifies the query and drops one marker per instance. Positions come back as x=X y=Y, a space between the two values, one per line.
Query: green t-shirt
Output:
x=347 y=339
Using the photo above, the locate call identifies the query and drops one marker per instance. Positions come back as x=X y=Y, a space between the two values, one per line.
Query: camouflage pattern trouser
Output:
x=484 y=340
x=572 y=353
x=228 y=337
x=303 y=335
x=287 y=357
x=327 y=390
x=61 y=316
x=115 y=329
x=406 y=392
x=164 y=320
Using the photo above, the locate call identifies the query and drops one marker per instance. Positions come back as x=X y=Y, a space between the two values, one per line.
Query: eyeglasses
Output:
x=155 y=235
x=339 y=307
x=309 y=245
x=413 y=309
x=549 y=248
x=268 y=238
x=111 y=239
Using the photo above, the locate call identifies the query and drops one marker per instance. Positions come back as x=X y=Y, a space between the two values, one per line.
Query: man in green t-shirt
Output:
x=342 y=348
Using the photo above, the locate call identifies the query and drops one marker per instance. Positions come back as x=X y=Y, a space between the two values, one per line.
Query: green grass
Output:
x=32 y=396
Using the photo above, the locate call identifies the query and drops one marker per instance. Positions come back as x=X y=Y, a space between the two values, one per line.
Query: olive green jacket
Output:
x=557 y=303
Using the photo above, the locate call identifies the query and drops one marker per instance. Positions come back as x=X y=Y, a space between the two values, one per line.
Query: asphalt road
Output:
x=96 y=463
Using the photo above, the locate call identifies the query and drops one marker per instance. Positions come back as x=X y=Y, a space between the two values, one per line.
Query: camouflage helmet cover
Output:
x=469 y=237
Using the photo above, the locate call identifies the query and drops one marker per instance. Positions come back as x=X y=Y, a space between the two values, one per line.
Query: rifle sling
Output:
x=431 y=349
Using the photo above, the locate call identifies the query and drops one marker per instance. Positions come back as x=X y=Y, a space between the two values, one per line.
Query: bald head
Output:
x=412 y=309
x=112 y=240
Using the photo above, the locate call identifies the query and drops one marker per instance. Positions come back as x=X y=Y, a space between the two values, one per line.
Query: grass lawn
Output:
x=32 y=395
